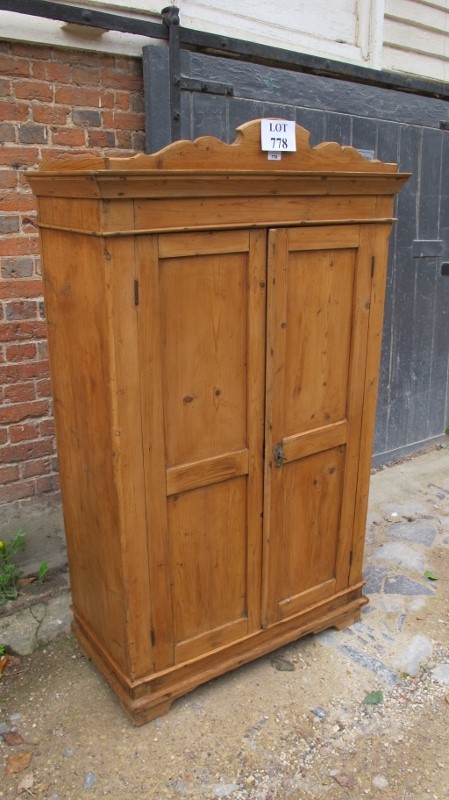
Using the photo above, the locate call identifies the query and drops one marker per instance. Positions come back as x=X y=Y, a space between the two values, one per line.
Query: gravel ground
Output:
x=297 y=725
x=258 y=734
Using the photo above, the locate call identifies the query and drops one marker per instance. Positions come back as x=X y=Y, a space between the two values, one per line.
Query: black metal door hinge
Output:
x=179 y=82
x=136 y=292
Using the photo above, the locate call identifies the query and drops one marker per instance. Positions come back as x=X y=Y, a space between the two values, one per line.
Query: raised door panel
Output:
x=319 y=283
x=205 y=467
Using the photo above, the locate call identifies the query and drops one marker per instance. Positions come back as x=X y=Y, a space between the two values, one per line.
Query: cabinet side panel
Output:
x=81 y=378
x=380 y=238
x=69 y=212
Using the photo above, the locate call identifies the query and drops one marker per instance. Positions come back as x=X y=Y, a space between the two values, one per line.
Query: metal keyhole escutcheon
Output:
x=279 y=455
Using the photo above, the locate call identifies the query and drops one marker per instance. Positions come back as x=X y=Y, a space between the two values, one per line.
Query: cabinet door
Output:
x=202 y=332
x=319 y=286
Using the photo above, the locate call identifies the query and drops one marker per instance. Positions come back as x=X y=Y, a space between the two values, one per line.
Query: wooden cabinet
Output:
x=214 y=324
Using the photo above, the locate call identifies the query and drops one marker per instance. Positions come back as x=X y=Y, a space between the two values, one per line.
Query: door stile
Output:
x=127 y=458
x=277 y=267
x=255 y=420
x=160 y=624
x=356 y=388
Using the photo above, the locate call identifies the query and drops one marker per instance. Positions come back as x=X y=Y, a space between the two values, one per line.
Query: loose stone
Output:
x=89 y=780
x=380 y=782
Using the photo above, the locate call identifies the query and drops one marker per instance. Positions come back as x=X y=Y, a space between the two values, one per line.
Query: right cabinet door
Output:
x=319 y=293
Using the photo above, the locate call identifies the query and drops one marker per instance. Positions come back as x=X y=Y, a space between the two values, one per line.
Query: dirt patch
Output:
x=259 y=733
x=295 y=725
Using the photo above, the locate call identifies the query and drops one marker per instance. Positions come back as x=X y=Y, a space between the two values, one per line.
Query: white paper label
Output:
x=274 y=156
x=278 y=135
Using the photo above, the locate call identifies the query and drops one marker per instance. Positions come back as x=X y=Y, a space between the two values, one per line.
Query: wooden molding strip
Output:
x=210 y=640
x=209 y=470
x=324 y=438
x=218 y=227
x=294 y=605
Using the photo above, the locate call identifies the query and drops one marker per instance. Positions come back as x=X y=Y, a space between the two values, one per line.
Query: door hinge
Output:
x=136 y=292
x=351 y=556
x=152 y=637
x=373 y=266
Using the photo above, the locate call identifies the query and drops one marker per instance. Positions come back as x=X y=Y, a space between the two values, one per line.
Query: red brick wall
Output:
x=51 y=102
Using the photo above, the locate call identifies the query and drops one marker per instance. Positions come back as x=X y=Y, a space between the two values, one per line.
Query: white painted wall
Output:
x=346 y=30
x=400 y=35
x=21 y=27
x=416 y=37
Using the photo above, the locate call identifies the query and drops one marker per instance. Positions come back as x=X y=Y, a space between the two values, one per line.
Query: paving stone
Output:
x=364 y=629
x=368 y=662
x=417 y=604
x=418 y=532
x=380 y=782
x=441 y=673
x=224 y=789
x=401 y=584
x=438 y=491
x=393 y=603
x=327 y=638
x=401 y=622
x=416 y=653
x=374 y=577
x=90 y=780
x=403 y=555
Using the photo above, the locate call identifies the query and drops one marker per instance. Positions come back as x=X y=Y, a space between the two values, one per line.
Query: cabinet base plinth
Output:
x=150 y=697
x=347 y=620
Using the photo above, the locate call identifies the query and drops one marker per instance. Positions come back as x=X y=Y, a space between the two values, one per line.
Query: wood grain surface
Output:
x=214 y=326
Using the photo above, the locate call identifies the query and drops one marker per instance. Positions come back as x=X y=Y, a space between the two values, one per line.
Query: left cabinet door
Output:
x=202 y=354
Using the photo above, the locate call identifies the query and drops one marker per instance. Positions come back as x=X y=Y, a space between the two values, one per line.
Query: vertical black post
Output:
x=170 y=18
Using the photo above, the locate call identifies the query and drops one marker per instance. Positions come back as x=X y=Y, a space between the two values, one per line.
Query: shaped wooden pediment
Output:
x=208 y=154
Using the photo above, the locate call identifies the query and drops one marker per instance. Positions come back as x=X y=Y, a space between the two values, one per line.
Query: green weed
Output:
x=9 y=571
x=42 y=571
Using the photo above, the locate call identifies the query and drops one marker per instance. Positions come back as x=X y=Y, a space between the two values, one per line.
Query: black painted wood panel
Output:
x=413 y=405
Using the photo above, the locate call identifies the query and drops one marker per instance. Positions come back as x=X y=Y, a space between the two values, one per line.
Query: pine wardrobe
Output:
x=214 y=324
